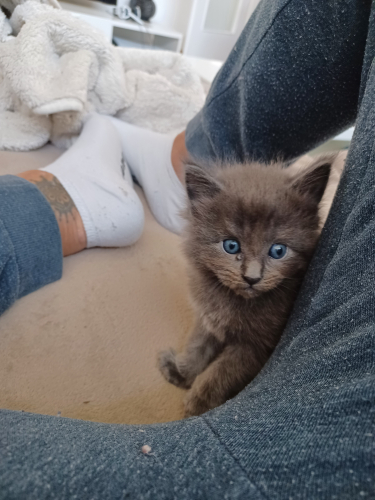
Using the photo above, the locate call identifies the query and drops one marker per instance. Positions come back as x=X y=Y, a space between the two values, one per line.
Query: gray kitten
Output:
x=251 y=231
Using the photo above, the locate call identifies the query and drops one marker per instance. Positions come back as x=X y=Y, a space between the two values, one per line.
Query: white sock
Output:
x=91 y=171
x=148 y=155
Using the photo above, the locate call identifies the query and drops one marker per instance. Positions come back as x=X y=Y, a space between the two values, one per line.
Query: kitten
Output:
x=251 y=231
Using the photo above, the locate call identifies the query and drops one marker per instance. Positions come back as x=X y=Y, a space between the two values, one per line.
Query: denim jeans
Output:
x=30 y=242
x=304 y=428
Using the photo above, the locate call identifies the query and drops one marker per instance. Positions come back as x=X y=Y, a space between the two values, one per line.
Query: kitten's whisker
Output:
x=282 y=285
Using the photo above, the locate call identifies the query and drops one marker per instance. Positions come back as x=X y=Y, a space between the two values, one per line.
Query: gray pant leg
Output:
x=30 y=242
x=307 y=421
x=291 y=82
x=44 y=457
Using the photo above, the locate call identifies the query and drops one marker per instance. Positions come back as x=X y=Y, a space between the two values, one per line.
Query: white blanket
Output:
x=55 y=69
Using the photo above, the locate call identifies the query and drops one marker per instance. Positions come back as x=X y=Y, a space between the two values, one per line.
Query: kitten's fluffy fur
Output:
x=239 y=324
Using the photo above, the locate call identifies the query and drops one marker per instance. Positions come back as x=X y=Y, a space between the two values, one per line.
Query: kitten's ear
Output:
x=313 y=180
x=200 y=183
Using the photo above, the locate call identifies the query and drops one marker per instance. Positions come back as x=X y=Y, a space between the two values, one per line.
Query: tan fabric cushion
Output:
x=86 y=345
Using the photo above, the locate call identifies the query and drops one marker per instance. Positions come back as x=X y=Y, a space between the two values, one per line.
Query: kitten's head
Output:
x=252 y=227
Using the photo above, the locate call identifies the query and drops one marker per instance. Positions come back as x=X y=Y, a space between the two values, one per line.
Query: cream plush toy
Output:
x=55 y=69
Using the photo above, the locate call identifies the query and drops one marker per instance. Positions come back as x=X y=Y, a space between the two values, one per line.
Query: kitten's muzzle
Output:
x=251 y=281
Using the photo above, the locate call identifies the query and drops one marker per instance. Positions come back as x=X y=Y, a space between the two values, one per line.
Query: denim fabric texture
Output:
x=30 y=242
x=305 y=427
x=291 y=82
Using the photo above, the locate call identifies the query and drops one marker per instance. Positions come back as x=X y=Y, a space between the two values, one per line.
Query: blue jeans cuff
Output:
x=30 y=241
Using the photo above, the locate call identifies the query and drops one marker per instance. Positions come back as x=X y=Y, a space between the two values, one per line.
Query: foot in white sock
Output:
x=148 y=155
x=91 y=171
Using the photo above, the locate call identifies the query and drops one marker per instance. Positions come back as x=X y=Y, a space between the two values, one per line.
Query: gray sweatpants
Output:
x=305 y=427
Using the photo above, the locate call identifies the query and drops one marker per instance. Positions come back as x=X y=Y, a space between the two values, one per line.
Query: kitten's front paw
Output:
x=168 y=367
x=194 y=405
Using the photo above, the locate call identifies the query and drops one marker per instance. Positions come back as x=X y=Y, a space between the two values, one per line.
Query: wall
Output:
x=173 y=14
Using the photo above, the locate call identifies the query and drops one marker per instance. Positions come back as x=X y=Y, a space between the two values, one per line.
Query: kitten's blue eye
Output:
x=277 y=251
x=231 y=246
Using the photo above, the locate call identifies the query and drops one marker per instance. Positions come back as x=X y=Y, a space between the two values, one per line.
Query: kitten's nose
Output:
x=251 y=281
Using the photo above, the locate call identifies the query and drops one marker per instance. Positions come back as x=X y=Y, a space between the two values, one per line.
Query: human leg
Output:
x=99 y=185
x=149 y=156
x=291 y=82
x=91 y=191
x=30 y=241
x=83 y=199
x=69 y=220
x=65 y=458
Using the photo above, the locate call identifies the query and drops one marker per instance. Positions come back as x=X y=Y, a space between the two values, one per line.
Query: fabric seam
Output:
x=217 y=436
x=16 y=295
x=365 y=85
